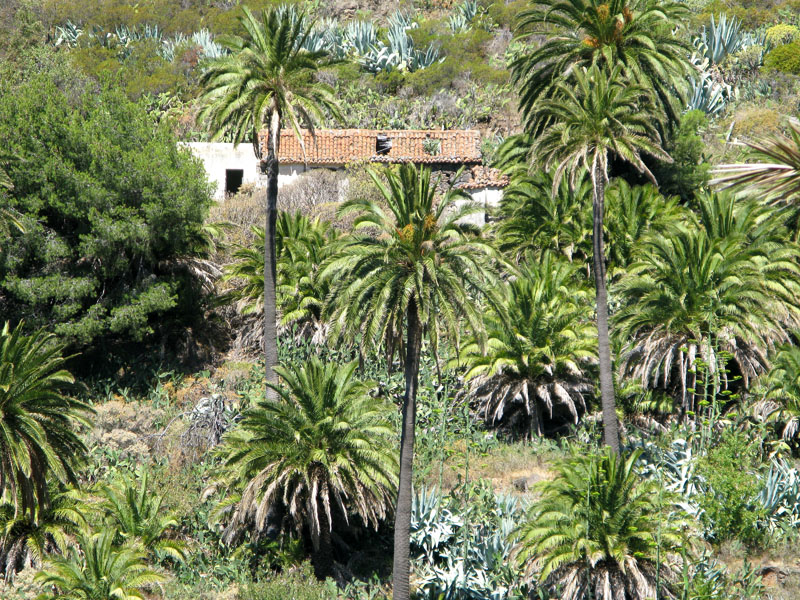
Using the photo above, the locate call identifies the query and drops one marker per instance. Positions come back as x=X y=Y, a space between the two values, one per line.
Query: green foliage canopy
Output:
x=109 y=204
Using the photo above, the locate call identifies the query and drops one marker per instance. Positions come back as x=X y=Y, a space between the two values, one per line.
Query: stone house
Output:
x=444 y=151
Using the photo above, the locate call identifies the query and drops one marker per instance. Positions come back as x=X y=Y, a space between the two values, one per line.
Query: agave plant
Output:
x=600 y=530
x=536 y=369
x=208 y=47
x=433 y=524
x=465 y=13
x=780 y=497
x=97 y=570
x=471 y=557
x=723 y=37
x=361 y=36
x=68 y=34
x=708 y=95
x=137 y=515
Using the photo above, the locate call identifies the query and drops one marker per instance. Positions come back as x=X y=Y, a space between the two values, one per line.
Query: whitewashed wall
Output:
x=486 y=197
x=218 y=157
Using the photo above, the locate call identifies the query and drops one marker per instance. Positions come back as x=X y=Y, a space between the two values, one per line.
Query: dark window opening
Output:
x=233 y=180
x=383 y=144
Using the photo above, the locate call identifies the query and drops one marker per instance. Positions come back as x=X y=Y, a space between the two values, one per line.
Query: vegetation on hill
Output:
x=593 y=395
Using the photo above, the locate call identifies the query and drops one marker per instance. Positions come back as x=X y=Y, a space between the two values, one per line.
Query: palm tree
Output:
x=323 y=448
x=136 y=514
x=636 y=36
x=417 y=269
x=302 y=245
x=267 y=81
x=634 y=213
x=25 y=540
x=591 y=117
x=726 y=284
x=37 y=421
x=600 y=531
x=778 y=176
x=532 y=218
x=779 y=390
x=100 y=571
x=540 y=349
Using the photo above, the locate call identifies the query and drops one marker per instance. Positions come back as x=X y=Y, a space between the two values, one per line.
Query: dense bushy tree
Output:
x=112 y=209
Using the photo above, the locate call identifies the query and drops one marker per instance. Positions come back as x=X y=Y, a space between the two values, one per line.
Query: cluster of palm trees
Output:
x=91 y=542
x=518 y=309
x=689 y=283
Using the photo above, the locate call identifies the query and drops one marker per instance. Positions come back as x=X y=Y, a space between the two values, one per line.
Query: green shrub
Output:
x=782 y=34
x=111 y=207
x=730 y=471
x=298 y=584
x=785 y=59
x=689 y=170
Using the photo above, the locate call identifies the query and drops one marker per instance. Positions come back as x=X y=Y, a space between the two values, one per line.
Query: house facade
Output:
x=444 y=151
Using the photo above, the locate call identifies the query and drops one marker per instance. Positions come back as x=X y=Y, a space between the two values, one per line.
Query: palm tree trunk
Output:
x=322 y=557
x=402 y=522
x=270 y=259
x=610 y=425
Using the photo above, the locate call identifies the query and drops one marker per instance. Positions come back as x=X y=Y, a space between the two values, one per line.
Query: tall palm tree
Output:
x=635 y=35
x=599 y=530
x=591 y=117
x=323 y=449
x=100 y=571
x=416 y=269
x=37 y=420
x=721 y=285
x=266 y=81
x=540 y=349
x=136 y=514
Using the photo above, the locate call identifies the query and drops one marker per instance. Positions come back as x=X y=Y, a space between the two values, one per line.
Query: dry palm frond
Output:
x=779 y=179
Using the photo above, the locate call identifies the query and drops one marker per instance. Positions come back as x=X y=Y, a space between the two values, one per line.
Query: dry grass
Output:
x=511 y=468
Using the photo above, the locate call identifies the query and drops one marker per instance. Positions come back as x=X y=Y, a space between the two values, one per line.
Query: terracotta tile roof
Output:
x=341 y=146
x=485 y=177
